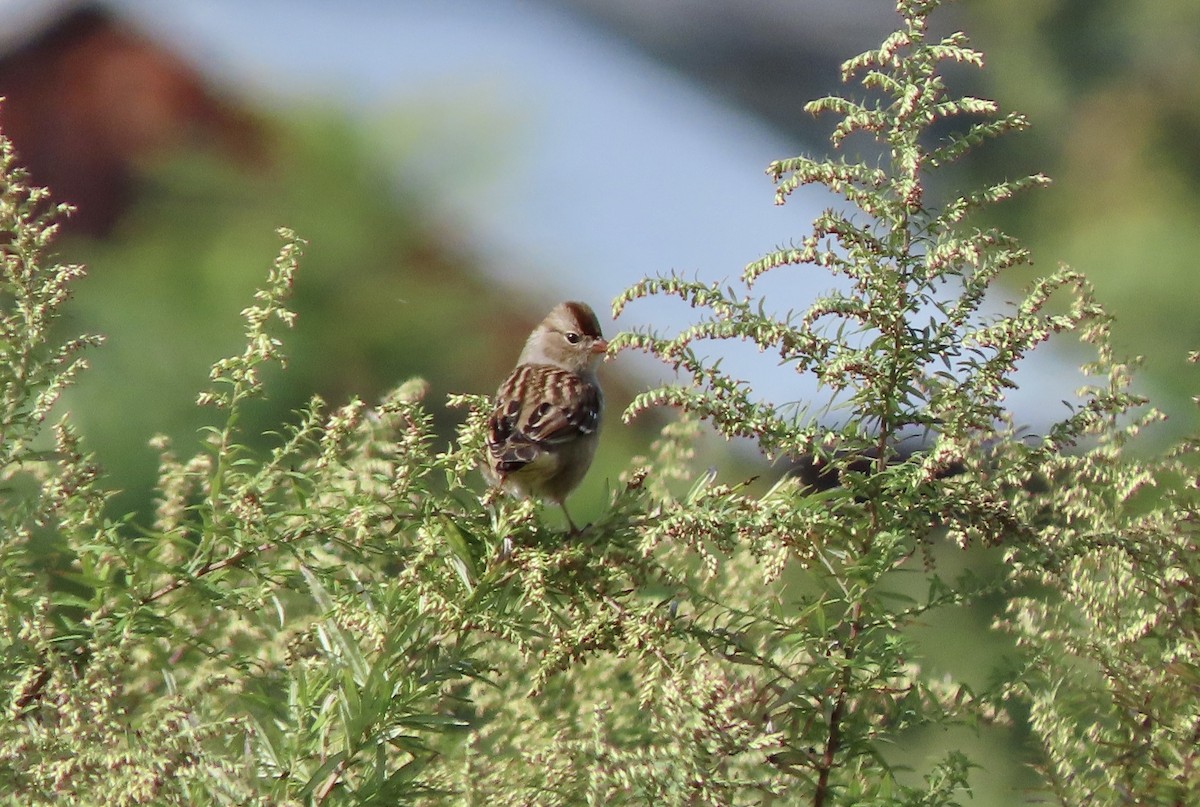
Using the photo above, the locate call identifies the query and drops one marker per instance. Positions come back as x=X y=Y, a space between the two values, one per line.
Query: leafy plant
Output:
x=346 y=618
x=906 y=347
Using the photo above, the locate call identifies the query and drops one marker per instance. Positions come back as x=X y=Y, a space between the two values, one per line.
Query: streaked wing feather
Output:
x=537 y=407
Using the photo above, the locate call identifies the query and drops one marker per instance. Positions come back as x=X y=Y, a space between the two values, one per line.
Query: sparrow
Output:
x=545 y=423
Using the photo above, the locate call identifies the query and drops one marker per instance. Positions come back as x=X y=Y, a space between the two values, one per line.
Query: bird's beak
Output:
x=600 y=346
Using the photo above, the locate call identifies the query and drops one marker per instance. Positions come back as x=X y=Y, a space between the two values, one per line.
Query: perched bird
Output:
x=542 y=433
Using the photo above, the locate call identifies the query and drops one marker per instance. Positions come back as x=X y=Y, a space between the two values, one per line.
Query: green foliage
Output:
x=1111 y=84
x=343 y=617
x=166 y=287
x=1112 y=636
x=904 y=348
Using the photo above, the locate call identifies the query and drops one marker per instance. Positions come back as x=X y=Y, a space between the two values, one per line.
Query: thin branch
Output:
x=208 y=568
x=833 y=742
x=33 y=690
x=331 y=781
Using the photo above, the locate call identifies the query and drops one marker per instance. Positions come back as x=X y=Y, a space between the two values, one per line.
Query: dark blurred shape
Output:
x=820 y=475
x=768 y=57
x=88 y=99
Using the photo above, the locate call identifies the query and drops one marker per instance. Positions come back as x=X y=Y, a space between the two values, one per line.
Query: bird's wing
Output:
x=537 y=408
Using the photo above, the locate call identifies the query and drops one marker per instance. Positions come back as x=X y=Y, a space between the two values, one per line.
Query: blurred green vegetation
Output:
x=1113 y=91
x=382 y=297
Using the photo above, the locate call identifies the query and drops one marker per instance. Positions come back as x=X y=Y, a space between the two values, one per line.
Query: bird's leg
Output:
x=574 y=530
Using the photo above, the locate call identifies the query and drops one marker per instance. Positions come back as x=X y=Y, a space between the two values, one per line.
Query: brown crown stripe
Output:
x=585 y=317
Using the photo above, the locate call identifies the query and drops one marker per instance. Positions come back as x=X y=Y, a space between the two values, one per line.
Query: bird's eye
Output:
x=572 y=337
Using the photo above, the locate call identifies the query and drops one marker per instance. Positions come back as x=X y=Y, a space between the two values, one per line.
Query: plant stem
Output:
x=330 y=782
x=833 y=741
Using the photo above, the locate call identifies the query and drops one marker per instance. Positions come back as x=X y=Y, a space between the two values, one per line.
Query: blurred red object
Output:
x=88 y=99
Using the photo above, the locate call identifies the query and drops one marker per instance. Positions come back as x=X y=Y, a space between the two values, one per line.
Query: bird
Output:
x=545 y=422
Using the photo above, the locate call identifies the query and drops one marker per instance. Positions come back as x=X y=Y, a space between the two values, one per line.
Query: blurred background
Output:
x=459 y=167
